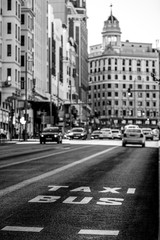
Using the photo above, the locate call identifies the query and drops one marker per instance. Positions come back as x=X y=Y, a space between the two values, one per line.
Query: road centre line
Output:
x=50 y=173
x=98 y=232
x=21 y=229
x=34 y=159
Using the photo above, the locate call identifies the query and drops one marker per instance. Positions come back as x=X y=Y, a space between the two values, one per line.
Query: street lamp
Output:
x=26 y=93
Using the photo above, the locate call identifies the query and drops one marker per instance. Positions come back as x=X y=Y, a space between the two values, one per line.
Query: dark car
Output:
x=77 y=133
x=95 y=134
x=51 y=134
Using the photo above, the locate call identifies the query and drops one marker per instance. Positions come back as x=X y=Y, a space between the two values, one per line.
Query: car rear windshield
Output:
x=97 y=132
x=51 y=130
x=77 y=130
x=133 y=130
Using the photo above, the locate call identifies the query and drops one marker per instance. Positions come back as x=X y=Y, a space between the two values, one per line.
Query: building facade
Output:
x=121 y=88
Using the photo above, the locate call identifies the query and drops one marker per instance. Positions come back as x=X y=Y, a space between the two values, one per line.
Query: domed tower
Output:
x=111 y=34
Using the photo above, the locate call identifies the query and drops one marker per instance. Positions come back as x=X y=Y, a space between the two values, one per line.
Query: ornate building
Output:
x=121 y=88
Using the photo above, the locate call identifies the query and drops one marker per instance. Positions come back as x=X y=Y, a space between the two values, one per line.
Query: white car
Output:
x=106 y=134
x=133 y=136
x=116 y=133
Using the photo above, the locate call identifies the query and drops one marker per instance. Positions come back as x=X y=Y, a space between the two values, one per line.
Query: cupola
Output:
x=111 y=34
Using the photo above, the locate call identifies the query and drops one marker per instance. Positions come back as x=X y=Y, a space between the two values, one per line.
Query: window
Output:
x=23 y=22
x=154 y=95
x=109 y=76
x=109 y=85
x=130 y=62
x=116 y=94
x=16 y=53
x=147 y=86
x=9 y=28
x=9 y=50
x=109 y=94
x=16 y=31
x=147 y=95
x=22 y=82
x=140 y=95
x=139 y=86
x=9 y=5
x=116 y=76
x=22 y=60
x=139 y=77
x=16 y=8
x=138 y=63
x=22 y=40
x=147 y=78
x=130 y=77
x=9 y=71
x=124 y=77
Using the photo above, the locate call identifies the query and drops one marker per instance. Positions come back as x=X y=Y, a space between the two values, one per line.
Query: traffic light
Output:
x=153 y=76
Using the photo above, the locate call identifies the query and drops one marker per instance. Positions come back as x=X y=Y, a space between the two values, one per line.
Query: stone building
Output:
x=121 y=88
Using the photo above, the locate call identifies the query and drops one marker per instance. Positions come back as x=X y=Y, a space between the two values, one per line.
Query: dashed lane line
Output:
x=22 y=229
x=27 y=182
x=99 y=232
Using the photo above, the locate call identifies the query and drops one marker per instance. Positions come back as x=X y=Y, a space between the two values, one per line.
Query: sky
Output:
x=139 y=20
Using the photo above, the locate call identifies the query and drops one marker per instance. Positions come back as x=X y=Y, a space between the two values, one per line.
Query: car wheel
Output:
x=143 y=144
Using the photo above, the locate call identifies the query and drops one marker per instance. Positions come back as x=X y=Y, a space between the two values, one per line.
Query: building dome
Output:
x=111 y=25
x=111 y=34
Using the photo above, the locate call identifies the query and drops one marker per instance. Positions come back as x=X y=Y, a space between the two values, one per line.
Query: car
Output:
x=116 y=133
x=95 y=134
x=131 y=126
x=106 y=134
x=148 y=133
x=133 y=136
x=77 y=133
x=51 y=134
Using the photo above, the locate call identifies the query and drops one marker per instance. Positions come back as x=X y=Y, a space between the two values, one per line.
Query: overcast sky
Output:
x=139 y=19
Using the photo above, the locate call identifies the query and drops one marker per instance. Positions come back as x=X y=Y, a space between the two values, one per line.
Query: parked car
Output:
x=116 y=133
x=95 y=134
x=77 y=133
x=106 y=134
x=51 y=134
x=148 y=133
x=133 y=136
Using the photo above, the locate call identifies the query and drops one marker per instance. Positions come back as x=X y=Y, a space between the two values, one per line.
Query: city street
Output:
x=78 y=190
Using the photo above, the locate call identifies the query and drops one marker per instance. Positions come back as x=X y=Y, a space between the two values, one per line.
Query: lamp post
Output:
x=26 y=100
x=26 y=94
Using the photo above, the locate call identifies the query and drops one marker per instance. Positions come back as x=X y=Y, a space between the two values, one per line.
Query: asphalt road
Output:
x=78 y=191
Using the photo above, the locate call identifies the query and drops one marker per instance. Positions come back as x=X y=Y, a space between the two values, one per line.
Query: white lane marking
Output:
x=131 y=190
x=21 y=229
x=34 y=159
x=50 y=173
x=99 y=232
